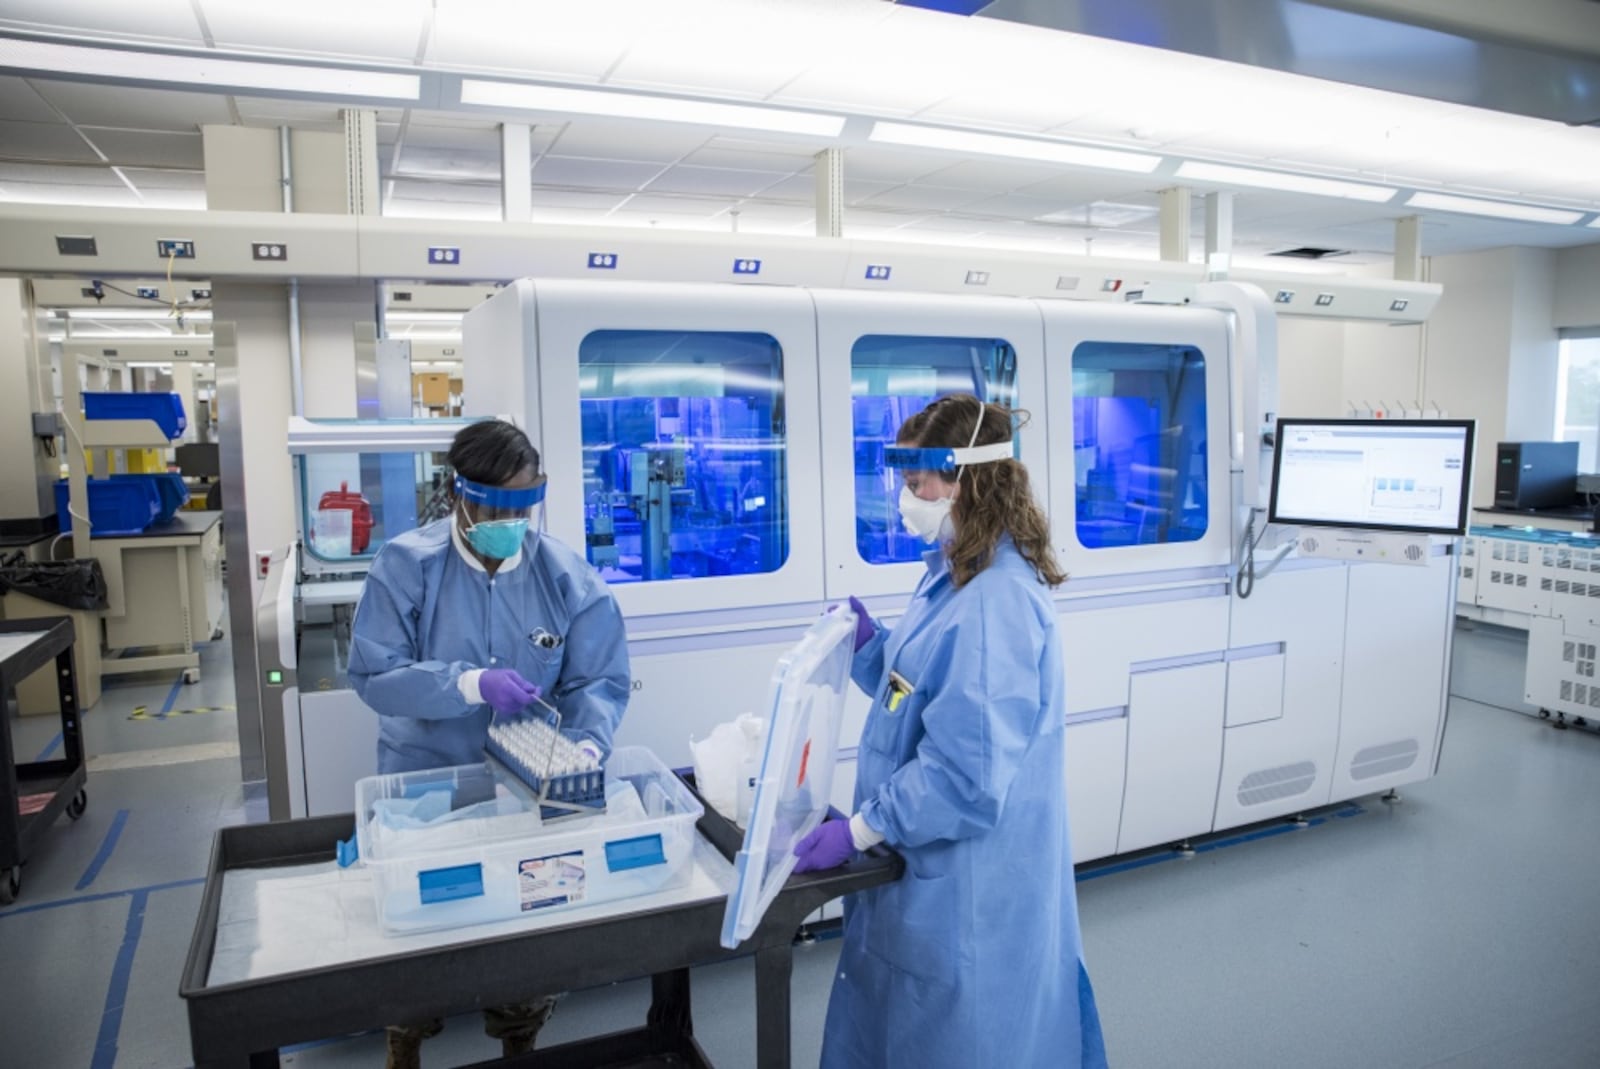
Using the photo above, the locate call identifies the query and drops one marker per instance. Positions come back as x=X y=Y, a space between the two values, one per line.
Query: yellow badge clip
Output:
x=899 y=687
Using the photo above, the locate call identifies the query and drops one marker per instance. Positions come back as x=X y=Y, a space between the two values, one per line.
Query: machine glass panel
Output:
x=892 y=378
x=684 y=464
x=1139 y=441
x=353 y=503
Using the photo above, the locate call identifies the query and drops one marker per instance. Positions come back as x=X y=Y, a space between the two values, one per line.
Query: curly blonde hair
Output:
x=995 y=498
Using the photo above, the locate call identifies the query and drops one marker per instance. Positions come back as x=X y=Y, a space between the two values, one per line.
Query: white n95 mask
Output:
x=928 y=520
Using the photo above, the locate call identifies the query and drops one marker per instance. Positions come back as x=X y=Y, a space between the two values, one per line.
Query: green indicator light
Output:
x=275 y=678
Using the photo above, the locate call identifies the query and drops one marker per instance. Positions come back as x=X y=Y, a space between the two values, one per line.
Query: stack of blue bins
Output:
x=130 y=504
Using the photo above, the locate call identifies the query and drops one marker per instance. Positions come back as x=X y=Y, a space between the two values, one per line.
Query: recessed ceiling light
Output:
x=637 y=106
x=1291 y=183
x=46 y=57
x=1526 y=213
x=894 y=133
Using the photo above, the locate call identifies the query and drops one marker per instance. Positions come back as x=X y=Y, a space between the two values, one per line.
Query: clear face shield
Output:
x=930 y=520
x=495 y=518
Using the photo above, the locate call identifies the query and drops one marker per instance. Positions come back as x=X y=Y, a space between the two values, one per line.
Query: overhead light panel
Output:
x=129 y=315
x=637 y=106
x=1289 y=183
x=1025 y=148
x=122 y=65
x=1525 y=213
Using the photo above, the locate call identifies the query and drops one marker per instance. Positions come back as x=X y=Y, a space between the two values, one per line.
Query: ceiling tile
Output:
x=993 y=175
x=375 y=29
x=568 y=200
x=39 y=174
x=713 y=180
x=1085 y=186
x=174 y=199
x=20 y=103
x=44 y=141
x=701 y=206
x=454 y=163
x=531 y=40
x=669 y=221
x=144 y=109
x=410 y=189
x=117 y=196
x=892 y=165
x=741 y=159
x=1016 y=206
x=167 y=20
x=148 y=179
x=597 y=174
x=149 y=148
x=405 y=208
x=921 y=198
x=599 y=139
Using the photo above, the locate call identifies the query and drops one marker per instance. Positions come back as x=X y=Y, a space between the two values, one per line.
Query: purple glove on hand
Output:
x=506 y=691
x=864 y=627
x=827 y=847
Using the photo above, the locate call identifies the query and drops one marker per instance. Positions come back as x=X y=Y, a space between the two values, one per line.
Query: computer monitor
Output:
x=199 y=460
x=1373 y=474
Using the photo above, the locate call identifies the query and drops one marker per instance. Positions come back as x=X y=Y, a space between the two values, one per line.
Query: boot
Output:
x=517 y=1026
x=405 y=1043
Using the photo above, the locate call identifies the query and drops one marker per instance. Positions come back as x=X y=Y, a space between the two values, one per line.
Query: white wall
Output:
x=1310 y=362
x=1578 y=287
x=328 y=315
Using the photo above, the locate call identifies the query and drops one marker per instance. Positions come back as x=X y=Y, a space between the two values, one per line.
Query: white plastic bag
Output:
x=726 y=764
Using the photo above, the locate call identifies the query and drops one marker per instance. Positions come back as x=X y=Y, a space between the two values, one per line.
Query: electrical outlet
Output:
x=175 y=248
x=200 y=295
x=76 y=245
x=269 y=250
x=149 y=293
x=447 y=255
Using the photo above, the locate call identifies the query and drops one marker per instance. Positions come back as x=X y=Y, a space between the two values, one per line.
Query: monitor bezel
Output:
x=1460 y=528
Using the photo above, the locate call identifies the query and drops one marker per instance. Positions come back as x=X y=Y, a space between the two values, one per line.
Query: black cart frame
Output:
x=63 y=778
x=243 y=1024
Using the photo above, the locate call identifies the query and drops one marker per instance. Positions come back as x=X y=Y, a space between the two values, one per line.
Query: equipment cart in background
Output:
x=33 y=794
x=238 y=1023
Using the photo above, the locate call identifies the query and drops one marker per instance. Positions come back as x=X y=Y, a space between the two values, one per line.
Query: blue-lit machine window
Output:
x=892 y=378
x=1139 y=418
x=684 y=468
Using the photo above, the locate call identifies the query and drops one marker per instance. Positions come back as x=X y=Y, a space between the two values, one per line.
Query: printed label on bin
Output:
x=448 y=885
x=622 y=854
x=556 y=880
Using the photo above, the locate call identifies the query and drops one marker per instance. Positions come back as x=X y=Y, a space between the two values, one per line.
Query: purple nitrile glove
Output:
x=506 y=691
x=827 y=847
x=864 y=628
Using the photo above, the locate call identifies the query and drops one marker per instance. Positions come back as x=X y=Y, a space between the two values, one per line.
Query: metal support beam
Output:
x=830 y=193
x=361 y=162
x=1408 y=248
x=516 y=176
x=1219 y=235
x=1177 y=216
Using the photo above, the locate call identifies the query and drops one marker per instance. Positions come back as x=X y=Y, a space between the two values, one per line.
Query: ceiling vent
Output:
x=1310 y=252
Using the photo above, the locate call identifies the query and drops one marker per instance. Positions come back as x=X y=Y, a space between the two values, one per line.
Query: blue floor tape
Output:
x=112 y=835
x=49 y=749
x=101 y=896
x=1219 y=844
x=105 y=1045
x=172 y=697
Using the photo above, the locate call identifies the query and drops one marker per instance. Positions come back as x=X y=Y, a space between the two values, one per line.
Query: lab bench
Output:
x=49 y=787
x=164 y=589
x=243 y=1008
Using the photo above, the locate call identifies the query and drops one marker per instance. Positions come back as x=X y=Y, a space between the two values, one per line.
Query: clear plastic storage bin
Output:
x=456 y=846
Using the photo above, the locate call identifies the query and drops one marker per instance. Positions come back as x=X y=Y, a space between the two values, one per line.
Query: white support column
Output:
x=1408 y=248
x=516 y=178
x=1219 y=235
x=361 y=161
x=1177 y=216
x=22 y=490
x=830 y=193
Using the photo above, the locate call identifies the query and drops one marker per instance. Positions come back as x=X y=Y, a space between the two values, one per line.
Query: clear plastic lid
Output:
x=796 y=779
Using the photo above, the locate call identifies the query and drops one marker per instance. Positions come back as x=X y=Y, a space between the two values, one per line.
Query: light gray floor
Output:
x=1455 y=929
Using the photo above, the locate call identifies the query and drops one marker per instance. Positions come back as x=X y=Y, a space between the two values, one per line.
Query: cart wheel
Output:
x=79 y=803
x=191 y=675
x=11 y=885
x=216 y=636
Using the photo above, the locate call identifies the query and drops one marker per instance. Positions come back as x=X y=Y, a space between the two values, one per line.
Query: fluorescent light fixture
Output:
x=638 y=106
x=148 y=363
x=422 y=317
x=1026 y=148
x=46 y=57
x=1526 y=213
x=1595 y=221
x=132 y=315
x=1290 y=183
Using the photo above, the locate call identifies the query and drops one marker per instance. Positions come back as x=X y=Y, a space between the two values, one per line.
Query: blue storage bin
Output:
x=170 y=492
x=117 y=506
x=165 y=408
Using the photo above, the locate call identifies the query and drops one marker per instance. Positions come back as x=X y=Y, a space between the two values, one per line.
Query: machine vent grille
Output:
x=1384 y=759
x=1309 y=544
x=1566 y=690
x=1270 y=784
x=1413 y=551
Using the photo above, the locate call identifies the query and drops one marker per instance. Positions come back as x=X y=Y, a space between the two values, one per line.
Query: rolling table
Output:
x=243 y=1008
x=48 y=788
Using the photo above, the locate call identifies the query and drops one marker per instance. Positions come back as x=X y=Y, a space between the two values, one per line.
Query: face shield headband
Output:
x=913 y=458
x=499 y=498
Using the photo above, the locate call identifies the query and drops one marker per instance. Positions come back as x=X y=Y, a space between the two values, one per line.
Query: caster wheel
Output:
x=10 y=885
x=191 y=675
x=79 y=803
x=216 y=636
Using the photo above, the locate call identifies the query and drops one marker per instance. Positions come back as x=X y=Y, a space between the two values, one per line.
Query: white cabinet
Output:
x=1174 y=746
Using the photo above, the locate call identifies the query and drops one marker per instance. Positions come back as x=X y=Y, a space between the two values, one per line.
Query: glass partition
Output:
x=1139 y=443
x=684 y=462
x=351 y=504
x=892 y=378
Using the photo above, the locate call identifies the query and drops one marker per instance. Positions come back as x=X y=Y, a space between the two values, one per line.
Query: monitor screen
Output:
x=1382 y=475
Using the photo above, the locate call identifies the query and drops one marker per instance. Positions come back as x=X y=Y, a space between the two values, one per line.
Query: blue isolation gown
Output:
x=973 y=957
x=430 y=612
